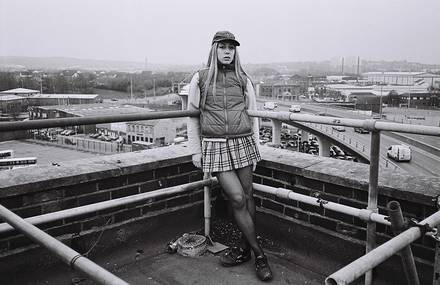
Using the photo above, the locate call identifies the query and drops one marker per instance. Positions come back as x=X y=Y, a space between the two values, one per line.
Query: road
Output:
x=422 y=162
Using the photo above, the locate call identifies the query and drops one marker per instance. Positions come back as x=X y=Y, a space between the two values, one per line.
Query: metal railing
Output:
x=375 y=127
x=372 y=125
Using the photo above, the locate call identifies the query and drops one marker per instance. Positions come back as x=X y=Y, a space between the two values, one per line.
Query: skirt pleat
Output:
x=229 y=154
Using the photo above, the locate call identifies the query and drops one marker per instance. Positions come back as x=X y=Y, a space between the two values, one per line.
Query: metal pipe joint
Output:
x=369 y=124
x=282 y=193
x=365 y=214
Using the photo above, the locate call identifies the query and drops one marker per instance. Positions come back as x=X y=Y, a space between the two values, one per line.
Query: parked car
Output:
x=283 y=144
x=69 y=132
x=337 y=150
x=361 y=131
x=295 y=108
x=270 y=105
x=339 y=128
x=399 y=152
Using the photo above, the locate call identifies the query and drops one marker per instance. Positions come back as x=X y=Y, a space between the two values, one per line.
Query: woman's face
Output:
x=225 y=52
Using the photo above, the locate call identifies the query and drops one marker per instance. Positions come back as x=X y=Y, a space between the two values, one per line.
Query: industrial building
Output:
x=156 y=132
x=403 y=78
x=85 y=110
x=63 y=99
x=22 y=92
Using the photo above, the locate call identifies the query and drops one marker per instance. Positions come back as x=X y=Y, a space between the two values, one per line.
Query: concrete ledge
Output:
x=393 y=183
x=26 y=180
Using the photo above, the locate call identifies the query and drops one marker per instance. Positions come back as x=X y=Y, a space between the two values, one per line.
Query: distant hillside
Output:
x=56 y=63
x=12 y=63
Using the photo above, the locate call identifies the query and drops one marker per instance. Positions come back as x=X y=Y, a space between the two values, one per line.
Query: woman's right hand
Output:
x=197 y=160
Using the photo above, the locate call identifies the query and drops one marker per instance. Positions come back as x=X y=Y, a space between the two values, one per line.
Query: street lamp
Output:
x=380 y=102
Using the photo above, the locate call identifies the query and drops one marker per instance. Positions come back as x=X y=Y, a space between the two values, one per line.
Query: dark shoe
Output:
x=262 y=267
x=235 y=256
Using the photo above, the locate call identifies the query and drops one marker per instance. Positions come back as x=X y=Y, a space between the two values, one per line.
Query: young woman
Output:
x=224 y=140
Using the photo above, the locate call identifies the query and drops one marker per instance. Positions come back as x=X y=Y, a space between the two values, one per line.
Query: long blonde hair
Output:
x=213 y=71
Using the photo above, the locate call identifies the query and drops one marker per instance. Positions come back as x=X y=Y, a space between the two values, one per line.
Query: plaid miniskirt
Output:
x=220 y=154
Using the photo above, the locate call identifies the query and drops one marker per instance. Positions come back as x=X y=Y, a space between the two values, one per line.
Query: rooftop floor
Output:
x=143 y=260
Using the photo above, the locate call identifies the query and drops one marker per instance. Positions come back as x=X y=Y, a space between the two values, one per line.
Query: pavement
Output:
x=46 y=154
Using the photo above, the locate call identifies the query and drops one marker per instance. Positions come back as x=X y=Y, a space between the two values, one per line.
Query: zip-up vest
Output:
x=224 y=116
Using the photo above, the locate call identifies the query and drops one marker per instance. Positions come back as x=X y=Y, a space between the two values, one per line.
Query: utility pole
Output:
x=380 y=102
x=154 y=87
x=357 y=76
x=131 y=87
x=342 y=66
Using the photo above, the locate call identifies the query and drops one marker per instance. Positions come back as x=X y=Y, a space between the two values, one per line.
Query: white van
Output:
x=399 y=152
x=295 y=108
x=270 y=105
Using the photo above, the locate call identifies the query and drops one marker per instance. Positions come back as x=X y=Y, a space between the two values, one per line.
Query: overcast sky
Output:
x=180 y=32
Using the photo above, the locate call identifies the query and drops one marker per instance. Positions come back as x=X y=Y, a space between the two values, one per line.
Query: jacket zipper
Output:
x=224 y=101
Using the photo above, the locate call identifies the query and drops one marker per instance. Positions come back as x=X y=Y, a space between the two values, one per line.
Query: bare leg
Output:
x=245 y=176
x=231 y=184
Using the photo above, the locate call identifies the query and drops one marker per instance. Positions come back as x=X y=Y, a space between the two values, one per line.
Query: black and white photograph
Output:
x=219 y=142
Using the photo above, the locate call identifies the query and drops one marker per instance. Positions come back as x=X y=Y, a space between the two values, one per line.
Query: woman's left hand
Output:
x=197 y=160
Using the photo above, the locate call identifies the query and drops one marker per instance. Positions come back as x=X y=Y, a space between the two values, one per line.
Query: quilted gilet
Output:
x=223 y=115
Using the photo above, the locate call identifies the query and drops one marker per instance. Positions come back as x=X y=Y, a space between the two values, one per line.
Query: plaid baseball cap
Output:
x=224 y=36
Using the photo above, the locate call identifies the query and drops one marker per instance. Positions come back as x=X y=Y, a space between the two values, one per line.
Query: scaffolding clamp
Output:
x=321 y=203
x=436 y=201
x=425 y=229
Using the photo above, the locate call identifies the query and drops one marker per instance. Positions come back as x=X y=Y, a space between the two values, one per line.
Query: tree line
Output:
x=69 y=82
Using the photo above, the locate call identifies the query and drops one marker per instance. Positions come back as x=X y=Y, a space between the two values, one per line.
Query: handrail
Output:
x=283 y=116
x=74 y=121
x=86 y=209
x=363 y=214
x=65 y=253
x=378 y=255
x=369 y=124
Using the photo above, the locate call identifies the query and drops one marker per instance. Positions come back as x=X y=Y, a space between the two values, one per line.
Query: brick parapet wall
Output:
x=47 y=189
x=76 y=183
x=345 y=183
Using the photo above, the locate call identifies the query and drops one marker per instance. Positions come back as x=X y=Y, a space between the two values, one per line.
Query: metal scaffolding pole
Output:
x=363 y=214
x=398 y=225
x=73 y=212
x=378 y=255
x=63 y=252
x=372 y=197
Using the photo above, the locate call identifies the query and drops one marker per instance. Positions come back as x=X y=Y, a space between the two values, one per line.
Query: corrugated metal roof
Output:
x=65 y=96
x=98 y=109
x=10 y=97
x=20 y=91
